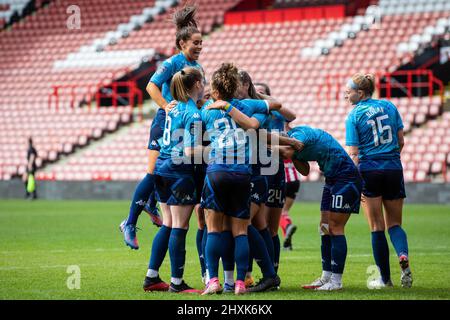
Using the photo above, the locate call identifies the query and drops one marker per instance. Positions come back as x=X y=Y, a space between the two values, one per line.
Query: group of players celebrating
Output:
x=221 y=149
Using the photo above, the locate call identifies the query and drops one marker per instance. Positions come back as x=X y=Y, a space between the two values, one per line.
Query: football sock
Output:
x=229 y=276
x=381 y=254
x=159 y=247
x=265 y=234
x=259 y=251
x=227 y=251
x=140 y=197
x=213 y=252
x=198 y=241
x=276 y=251
x=152 y=273
x=336 y=278
x=399 y=240
x=250 y=262
x=338 y=253
x=326 y=252
x=152 y=202
x=177 y=252
x=241 y=249
x=326 y=275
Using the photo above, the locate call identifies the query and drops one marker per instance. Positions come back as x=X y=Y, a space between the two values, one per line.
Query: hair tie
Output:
x=352 y=84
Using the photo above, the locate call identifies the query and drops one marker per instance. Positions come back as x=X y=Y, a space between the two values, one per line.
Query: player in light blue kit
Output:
x=226 y=193
x=189 y=43
x=375 y=140
x=175 y=183
x=341 y=196
x=267 y=193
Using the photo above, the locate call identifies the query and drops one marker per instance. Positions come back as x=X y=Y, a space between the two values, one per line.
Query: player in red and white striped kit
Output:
x=292 y=188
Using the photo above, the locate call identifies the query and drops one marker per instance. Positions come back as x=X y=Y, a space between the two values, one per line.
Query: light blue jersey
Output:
x=372 y=126
x=320 y=146
x=163 y=76
x=183 y=129
x=230 y=150
x=277 y=121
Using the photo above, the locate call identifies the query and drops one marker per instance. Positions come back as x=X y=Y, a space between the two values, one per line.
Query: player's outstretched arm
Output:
x=241 y=119
x=288 y=114
x=281 y=140
x=273 y=103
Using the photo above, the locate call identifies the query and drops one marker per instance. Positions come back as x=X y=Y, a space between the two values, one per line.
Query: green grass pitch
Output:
x=39 y=240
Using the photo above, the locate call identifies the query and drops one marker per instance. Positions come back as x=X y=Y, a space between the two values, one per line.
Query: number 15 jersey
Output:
x=372 y=126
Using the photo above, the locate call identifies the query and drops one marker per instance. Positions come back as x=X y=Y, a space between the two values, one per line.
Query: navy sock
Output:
x=177 y=251
x=152 y=202
x=250 y=261
x=241 y=249
x=276 y=251
x=338 y=253
x=213 y=252
x=204 y=238
x=381 y=254
x=265 y=234
x=159 y=247
x=140 y=197
x=259 y=251
x=201 y=256
x=227 y=251
x=326 y=252
x=399 y=240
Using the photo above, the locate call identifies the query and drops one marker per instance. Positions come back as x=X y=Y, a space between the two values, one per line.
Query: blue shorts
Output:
x=342 y=195
x=276 y=194
x=227 y=192
x=157 y=130
x=176 y=191
x=258 y=189
x=388 y=184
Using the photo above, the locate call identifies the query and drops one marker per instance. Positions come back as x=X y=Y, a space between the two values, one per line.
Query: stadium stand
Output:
x=62 y=60
x=270 y=52
x=9 y=8
x=29 y=51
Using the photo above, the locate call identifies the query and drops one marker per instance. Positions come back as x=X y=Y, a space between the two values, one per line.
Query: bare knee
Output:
x=239 y=226
x=337 y=222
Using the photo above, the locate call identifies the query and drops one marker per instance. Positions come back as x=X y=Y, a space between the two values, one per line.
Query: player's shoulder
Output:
x=301 y=130
x=209 y=115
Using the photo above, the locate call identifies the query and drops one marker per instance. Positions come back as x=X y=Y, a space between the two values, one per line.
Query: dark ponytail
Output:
x=184 y=20
x=246 y=79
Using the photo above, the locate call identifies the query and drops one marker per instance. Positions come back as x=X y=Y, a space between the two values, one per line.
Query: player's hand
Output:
x=218 y=105
x=170 y=106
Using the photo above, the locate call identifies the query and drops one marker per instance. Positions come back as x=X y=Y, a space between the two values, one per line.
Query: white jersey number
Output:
x=227 y=139
x=166 y=135
x=378 y=128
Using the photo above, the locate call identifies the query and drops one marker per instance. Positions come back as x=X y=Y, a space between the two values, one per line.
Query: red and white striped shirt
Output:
x=290 y=172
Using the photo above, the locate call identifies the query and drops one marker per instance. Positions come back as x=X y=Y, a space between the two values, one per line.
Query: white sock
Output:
x=336 y=278
x=229 y=277
x=176 y=281
x=207 y=278
x=248 y=274
x=152 y=273
x=326 y=275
